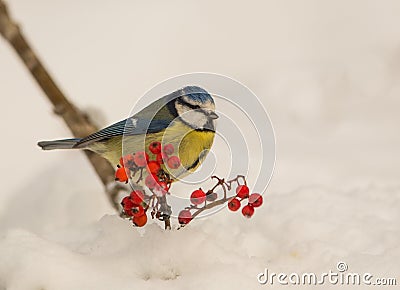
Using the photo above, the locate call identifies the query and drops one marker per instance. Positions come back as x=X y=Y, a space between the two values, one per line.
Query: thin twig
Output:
x=226 y=186
x=211 y=205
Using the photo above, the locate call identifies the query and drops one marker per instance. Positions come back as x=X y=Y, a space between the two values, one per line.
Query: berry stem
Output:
x=211 y=205
x=166 y=210
x=226 y=186
x=140 y=176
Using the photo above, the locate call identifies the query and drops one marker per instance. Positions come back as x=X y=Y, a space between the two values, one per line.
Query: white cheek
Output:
x=194 y=118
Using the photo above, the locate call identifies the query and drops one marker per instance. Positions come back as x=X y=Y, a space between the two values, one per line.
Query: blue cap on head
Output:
x=197 y=94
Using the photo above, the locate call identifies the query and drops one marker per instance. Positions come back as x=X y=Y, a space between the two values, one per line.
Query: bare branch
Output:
x=76 y=121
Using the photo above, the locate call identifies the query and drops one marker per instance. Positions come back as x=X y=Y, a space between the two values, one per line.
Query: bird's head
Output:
x=196 y=108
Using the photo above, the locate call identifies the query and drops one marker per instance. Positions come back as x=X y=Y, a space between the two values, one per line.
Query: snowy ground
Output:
x=328 y=73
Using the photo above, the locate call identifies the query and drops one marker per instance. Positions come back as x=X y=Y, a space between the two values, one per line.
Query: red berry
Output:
x=255 y=199
x=155 y=147
x=234 y=204
x=242 y=191
x=161 y=157
x=184 y=217
x=127 y=161
x=160 y=188
x=127 y=204
x=122 y=174
x=137 y=197
x=163 y=187
x=153 y=167
x=137 y=211
x=140 y=221
x=173 y=162
x=198 y=197
x=128 y=212
x=151 y=181
x=141 y=158
x=168 y=149
x=248 y=211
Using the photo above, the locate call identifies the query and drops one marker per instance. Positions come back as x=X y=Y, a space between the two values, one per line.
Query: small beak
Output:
x=213 y=115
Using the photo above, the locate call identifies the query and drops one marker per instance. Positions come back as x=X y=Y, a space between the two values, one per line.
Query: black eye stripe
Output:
x=183 y=102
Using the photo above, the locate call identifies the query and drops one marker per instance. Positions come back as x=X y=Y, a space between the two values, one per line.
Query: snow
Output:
x=310 y=229
x=328 y=76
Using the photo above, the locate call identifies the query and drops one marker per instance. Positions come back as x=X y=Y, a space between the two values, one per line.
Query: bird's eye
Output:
x=193 y=107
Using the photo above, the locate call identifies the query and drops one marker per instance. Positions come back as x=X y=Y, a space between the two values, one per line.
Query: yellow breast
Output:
x=191 y=146
x=194 y=148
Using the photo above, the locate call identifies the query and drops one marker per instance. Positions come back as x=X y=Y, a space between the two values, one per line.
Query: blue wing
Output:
x=130 y=126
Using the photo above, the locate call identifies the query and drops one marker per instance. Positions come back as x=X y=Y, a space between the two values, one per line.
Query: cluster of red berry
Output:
x=243 y=193
x=135 y=207
x=156 y=179
x=199 y=197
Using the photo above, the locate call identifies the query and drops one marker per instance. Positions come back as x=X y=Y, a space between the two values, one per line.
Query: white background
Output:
x=327 y=71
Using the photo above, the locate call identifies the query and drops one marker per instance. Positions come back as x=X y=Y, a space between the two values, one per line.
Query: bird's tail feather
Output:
x=59 y=144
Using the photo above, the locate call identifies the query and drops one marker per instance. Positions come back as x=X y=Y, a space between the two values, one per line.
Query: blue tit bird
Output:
x=185 y=118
